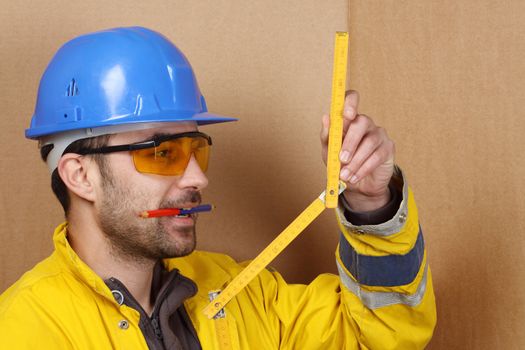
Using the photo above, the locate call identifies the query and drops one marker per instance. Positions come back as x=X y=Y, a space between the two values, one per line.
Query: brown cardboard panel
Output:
x=446 y=80
x=268 y=63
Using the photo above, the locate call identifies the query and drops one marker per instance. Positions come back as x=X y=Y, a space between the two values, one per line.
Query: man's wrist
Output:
x=377 y=216
x=362 y=203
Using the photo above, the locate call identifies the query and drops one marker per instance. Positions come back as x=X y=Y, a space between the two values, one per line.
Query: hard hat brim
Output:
x=209 y=118
x=204 y=118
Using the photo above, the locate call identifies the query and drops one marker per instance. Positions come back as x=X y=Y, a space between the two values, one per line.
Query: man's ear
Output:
x=76 y=173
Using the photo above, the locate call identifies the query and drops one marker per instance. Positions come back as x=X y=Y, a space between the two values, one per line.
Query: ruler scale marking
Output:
x=335 y=137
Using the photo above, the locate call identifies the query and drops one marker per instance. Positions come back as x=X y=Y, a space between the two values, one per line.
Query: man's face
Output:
x=125 y=193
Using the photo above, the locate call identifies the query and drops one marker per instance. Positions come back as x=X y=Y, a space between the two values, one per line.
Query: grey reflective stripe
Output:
x=374 y=300
x=393 y=225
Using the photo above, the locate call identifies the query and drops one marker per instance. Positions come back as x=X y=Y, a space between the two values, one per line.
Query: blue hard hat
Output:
x=116 y=77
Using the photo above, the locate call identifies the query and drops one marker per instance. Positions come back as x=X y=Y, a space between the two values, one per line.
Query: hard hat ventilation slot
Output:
x=72 y=89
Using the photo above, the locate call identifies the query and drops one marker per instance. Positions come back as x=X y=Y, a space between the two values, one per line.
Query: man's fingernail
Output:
x=349 y=112
x=345 y=156
x=354 y=179
x=345 y=174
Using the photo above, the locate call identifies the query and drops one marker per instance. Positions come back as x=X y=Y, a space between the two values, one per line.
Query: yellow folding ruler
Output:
x=336 y=118
x=327 y=199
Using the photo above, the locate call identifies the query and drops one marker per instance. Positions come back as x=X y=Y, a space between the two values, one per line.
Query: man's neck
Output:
x=93 y=249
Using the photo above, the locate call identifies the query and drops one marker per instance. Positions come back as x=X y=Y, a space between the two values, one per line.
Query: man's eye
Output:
x=162 y=154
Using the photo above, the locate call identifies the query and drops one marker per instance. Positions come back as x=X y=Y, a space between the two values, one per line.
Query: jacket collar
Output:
x=72 y=262
x=207 y=275
x=191 y=266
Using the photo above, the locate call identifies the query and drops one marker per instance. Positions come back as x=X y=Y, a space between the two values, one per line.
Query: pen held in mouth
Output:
x=175 y=211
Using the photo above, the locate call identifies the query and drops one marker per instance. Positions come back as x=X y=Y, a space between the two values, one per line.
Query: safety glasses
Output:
x=166 y=154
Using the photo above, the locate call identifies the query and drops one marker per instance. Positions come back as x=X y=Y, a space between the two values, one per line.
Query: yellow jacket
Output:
x=61 y=303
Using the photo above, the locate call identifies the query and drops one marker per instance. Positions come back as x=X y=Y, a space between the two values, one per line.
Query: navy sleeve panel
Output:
x=387 y=271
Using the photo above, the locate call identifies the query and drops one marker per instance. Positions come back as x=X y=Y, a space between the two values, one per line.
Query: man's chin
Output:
x=182 y=242
x=179 y=251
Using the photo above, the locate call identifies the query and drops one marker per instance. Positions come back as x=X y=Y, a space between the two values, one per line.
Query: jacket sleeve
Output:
x=383 y=298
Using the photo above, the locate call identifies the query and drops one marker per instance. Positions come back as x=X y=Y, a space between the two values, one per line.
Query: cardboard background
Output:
x=444 y=78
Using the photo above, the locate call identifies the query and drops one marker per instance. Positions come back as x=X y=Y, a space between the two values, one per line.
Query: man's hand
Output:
x=367 y=157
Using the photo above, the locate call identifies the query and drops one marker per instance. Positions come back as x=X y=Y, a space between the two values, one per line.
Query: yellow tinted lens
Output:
x=172 y=157
x=201 y=151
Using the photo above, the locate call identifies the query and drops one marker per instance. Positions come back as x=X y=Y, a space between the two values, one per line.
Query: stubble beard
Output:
x=141 y=240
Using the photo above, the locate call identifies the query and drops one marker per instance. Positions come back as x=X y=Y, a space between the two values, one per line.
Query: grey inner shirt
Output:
x=169 y=326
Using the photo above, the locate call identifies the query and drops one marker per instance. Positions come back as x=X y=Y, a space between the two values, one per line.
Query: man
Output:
x=116 y=118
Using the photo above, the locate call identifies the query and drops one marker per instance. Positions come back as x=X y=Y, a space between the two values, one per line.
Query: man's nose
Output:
x=193 y=176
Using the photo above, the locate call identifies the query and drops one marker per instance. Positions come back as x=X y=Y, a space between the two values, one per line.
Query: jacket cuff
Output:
x=384 y=221
x=373 y=217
